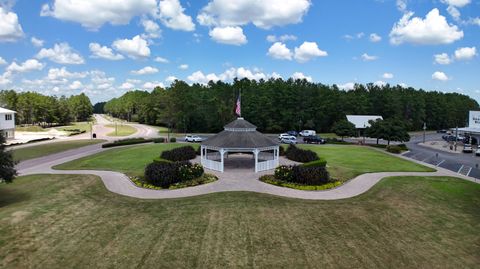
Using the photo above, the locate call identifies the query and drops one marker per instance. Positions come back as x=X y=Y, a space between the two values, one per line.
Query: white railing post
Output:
x=222 y=152
x=256 y=160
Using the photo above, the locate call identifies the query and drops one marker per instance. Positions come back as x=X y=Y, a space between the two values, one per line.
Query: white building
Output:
x=473 y=129
x=7 y=123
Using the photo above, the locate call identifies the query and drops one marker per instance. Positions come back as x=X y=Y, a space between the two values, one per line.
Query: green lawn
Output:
x=122 y=130
x=82 y=126
x=32 y=152
x=348 y=161
x=129 y=160
x=59 y=221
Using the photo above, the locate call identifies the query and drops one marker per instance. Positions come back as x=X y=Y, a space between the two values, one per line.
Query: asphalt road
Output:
x=463 y=163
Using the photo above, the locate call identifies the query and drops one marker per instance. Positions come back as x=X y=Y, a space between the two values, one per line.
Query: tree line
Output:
x=37 y=109
x=277 y=105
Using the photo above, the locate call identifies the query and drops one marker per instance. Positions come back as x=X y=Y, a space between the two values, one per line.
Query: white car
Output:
x=467 y=148
x=308 y=133
x=477 y=152
x=289 y=140
x=193 y=138
x=280 y=136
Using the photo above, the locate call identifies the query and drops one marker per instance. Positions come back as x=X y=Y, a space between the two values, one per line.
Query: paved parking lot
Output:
x=464 y=163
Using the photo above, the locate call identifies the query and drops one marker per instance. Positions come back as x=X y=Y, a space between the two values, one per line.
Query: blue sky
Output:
x=64 y=47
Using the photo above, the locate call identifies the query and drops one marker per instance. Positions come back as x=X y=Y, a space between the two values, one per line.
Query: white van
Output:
x=308 y=133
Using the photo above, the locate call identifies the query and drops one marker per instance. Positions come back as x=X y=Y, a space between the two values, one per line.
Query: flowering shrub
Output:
x=284 y=172
x=300 y=155
x=164 y=174
x=188 y=171
x=179 y=154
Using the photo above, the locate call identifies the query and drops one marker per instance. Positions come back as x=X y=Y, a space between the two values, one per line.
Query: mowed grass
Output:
x=347 y=161
x=82 y=126
x=32 y=152
x=121 y=130
x=129 y=160
x=72 y=221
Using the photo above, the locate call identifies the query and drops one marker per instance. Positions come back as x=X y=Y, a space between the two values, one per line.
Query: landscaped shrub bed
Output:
x=305 y=175
x=300 y=155
x=165 y=174
x=185 y=153
x=124 y=142
x=336 y=141
x=204 y=179
x=159 y=140
x=270 y=179
x=173 y=140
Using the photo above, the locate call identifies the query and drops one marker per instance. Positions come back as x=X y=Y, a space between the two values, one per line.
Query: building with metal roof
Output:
x=240 y=136
x=362 y=121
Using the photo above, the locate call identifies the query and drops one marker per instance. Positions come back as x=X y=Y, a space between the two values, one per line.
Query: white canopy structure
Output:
x=240 y=136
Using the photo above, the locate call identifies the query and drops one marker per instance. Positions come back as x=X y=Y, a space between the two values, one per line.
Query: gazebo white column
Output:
x=222 y=153
x=255 y=152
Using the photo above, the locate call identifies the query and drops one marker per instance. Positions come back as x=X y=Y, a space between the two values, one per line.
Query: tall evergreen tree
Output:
x=7 y=164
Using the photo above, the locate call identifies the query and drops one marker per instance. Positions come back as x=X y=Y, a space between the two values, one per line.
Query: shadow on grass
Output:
x=10 y=196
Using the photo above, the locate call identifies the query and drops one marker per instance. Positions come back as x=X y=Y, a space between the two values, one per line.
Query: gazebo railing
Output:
x=212 y=165
x=267 y=165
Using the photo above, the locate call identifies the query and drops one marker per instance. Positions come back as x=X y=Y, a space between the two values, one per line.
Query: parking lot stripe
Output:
x=470 y=170
x=461 y=167
x=426 y=158
x=440 y=162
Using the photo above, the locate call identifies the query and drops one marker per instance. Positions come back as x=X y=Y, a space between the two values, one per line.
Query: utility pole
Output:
x=116 y=128
x=91 y=130
x=424 y=131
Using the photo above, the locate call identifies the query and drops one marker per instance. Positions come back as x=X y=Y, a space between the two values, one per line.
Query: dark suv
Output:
x=314 y=140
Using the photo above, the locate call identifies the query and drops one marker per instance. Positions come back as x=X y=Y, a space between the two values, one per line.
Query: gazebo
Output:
x=240 y=136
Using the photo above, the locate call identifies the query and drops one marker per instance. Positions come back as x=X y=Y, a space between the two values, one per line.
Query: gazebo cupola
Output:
x=240 y=136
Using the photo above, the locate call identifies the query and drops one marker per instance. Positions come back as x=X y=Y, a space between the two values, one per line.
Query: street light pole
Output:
x=424 y=131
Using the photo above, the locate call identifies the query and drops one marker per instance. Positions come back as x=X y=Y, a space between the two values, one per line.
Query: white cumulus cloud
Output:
x=282 y=38
x=161 y=60
x=147 y=70
x=10 y=28
x=432 y=30
x=2 y=61
x=61 y=53
x=104 y=52
x=37 y=42
x=440 y=76
x=387 y=76
x=280 y=51
x=442 y=58
x=172 y=15
x=94 y=14
x=76 y=85
x=347 y=86
x=135 y=48
x=183 y=66
x=228 y=35
x=375 y=38
x=264 y=14
x=465 y=53
x=300 y=75
x=152 y=29
x=369 y=58
x=308 y=51
x=27 y=66
x=457 y=3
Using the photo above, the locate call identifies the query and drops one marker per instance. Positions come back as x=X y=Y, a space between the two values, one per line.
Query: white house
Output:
x=7 y=123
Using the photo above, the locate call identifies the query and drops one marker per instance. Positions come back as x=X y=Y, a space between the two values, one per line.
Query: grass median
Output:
x=121 y=130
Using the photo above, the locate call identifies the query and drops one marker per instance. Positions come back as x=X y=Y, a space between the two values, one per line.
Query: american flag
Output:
x=238 y=109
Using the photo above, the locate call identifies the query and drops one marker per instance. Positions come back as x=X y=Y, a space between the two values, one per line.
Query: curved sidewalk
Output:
x=240 y=180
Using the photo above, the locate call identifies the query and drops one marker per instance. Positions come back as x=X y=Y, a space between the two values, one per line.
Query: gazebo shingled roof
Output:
x=240 y=134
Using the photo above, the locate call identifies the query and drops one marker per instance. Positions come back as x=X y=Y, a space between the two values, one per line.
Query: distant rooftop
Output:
x=362 y=121
x=4 y=110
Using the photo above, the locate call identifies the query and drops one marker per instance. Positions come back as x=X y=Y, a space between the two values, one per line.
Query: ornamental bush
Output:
x=179 y=154
x=313 y=175
x=128 y=141
x=173 y=140
x=163 y=173
x=159 y=140
x=300 y=155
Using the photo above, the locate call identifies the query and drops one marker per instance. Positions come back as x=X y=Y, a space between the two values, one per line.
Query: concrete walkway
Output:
x=235 y=180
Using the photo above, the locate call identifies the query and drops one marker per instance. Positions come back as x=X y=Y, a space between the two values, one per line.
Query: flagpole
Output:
x=240 y=98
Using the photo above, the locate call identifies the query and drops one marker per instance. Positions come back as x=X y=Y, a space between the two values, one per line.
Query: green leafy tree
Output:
x=7 y=164
x=389 y=130
x=344 y=128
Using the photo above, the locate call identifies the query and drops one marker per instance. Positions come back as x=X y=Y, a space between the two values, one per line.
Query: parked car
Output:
x=193 y=138
x=293 y=133
x=280 y=136
x=305 y=133
x=477 y=152
x=289 y=140
x=313 y=140
x=443 y=131
x=467 y=148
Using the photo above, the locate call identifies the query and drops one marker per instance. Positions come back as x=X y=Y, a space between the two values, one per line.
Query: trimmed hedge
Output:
x=179 y=154
x=164 y=174
x=125 y=142
x=305 y=175
x=300 y=155
x=394 y=149
x=173 y=140
x=320 y=162
x=159 y=140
